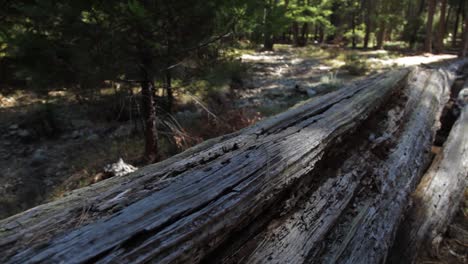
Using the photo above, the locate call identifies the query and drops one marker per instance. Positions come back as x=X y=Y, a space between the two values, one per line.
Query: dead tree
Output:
x=325 y=181
x=436 y=199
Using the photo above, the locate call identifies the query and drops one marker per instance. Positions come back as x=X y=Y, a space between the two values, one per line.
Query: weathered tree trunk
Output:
x=439 y=43
x=436 y=199
x=430 y=20
x=353 y=214
x=323 y=181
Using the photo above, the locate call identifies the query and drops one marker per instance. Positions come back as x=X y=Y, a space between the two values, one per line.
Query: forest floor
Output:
x=47 y=149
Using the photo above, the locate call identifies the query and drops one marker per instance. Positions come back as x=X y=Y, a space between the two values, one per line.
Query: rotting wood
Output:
x=353 y=216
x=436 y=199
x=183 y=209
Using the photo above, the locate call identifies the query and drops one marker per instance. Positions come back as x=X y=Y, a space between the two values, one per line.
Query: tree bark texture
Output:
x=325 y=181
x=436 y=199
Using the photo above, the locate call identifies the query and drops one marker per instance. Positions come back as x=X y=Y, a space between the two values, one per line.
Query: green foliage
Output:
x=330 y=81
x=358 y=33
x=317 y=12
x=42 y=121
x=84 y=43
x=356 y=64
x=227 y=72
x=220 y=78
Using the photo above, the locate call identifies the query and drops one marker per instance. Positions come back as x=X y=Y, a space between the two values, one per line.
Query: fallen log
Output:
x=353 y=216
x=436 y=199
x=233 y=190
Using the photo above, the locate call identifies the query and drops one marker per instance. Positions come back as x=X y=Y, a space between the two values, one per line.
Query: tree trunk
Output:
x=439 y=43
x=368 y=22
x=170 y=96
x=388 y=34
x=367 y=36
x=436 y=199
x=353 y=26
x=429 y=25
x=149 y=115
x=319 y=183
x=457 y=22
x=339 y=222
x=321 y=34
x=464 y=49
x=267 y=32
x=268 y=43
x=304 y=35
x=381 y=35
x=316 y=32
x=295 y=30
x=415 y=24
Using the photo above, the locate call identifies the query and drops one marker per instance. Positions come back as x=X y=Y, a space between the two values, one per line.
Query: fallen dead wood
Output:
x=239 y=189
x=436 y=199
x=353 y=215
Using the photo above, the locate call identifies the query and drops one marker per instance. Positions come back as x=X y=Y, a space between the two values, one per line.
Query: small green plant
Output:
x=42 y=121
x=330 y=81
x=227 y=72
x=356 y=64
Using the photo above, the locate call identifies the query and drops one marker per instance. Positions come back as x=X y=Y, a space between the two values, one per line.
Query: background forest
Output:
x=84 y=83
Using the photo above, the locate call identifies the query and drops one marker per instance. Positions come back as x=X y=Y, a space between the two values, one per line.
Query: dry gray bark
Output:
x=353 y=216
x=227 y=190
x=436 y=199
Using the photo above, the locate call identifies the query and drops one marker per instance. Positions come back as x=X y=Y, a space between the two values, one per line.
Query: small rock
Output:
x=122 y=131
x=13 y=127
x=92 y=137
x=60 y=165
x=23 y=133
x=119 y=169
x=462 y=99
x=48 y=182
x=81 y=123
x=38 y=157
x=76 y=134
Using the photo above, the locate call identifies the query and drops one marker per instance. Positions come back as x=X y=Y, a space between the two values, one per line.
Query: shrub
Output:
x=356 y=64
x=330 y=82
x=42 y=121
